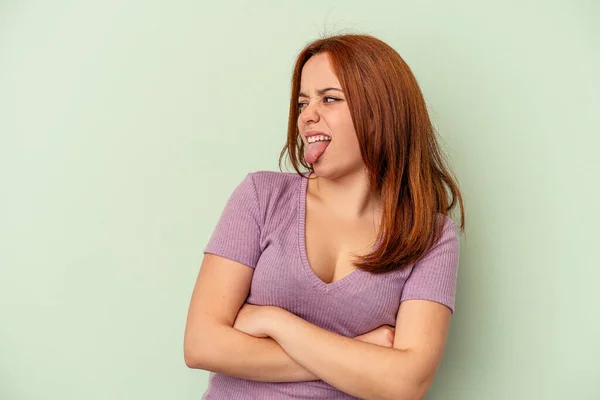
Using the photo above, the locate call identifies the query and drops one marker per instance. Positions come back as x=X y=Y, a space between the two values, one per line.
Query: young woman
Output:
x=308 y=272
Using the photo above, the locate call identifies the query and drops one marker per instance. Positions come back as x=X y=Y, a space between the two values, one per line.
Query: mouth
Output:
x=310 y=135
x=318 y=138
x=317 y=144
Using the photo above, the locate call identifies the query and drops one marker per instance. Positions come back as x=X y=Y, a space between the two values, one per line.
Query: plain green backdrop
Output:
x=125 y=125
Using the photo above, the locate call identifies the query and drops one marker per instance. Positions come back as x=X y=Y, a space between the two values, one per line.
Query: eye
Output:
x=325 y=99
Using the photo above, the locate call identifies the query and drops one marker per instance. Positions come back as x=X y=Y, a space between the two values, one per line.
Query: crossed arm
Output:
x=265 y=343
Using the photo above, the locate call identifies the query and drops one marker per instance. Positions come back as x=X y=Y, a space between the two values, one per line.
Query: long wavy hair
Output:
x=398 y=144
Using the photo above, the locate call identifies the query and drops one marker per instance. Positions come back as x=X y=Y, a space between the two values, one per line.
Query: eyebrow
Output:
x=321 y=92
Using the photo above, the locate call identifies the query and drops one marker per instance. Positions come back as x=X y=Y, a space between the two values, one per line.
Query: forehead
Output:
x=317 y=73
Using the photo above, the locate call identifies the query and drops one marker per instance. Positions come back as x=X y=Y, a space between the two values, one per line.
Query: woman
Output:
x=307 y=273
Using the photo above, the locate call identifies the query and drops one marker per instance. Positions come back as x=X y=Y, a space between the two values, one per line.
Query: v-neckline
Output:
x=312 y=276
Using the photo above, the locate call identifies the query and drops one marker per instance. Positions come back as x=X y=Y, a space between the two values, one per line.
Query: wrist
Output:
x=273 y=320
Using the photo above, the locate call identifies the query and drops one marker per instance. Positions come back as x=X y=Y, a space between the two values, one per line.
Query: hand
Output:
x=382 y=336
x=252 y=319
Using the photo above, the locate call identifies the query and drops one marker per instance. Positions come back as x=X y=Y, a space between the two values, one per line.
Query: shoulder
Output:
x=273 y=178
x=449 y=236
x=274 y=183
x=275 y=191
x=449 y=227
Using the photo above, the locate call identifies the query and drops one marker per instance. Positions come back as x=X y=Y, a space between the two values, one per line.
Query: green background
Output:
x=125 y=125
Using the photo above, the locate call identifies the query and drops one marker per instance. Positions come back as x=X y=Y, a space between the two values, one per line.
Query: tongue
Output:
x=314 y=150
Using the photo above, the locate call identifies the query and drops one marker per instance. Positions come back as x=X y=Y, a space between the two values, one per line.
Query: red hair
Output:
x=398 y=144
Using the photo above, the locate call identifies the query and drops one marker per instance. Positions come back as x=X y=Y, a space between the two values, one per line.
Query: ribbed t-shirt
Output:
x=263 y=226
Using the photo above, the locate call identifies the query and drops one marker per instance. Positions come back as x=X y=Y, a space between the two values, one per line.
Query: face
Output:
x=324 y=109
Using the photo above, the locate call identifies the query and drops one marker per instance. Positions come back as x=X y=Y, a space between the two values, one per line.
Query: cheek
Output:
x=300 y=127
x=345 y=128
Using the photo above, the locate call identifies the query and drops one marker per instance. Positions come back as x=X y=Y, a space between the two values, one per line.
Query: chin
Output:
x=327 y=169
x=320 y=166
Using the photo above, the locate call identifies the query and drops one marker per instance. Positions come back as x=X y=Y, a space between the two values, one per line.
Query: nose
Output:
x=309 y=114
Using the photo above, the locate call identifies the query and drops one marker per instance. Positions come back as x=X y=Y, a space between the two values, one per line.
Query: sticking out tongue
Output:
x=314 y=150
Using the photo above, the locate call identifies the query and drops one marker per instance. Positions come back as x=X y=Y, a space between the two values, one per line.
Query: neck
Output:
x=348 y=197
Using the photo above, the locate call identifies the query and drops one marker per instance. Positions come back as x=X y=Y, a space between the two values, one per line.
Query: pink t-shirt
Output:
x=262 y=226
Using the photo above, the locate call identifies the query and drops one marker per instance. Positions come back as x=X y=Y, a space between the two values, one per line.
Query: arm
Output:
x=403 y=372
x=365 y=370
x=211 y=342
x=221 y=288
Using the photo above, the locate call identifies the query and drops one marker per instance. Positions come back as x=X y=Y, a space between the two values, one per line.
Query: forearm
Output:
x=360 y=369
x=226 y=350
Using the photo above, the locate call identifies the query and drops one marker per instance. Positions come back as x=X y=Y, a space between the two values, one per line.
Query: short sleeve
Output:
x=434 y=276
x=237 y=233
